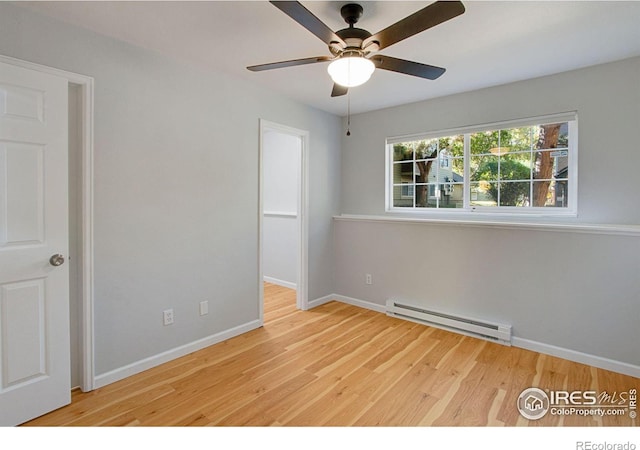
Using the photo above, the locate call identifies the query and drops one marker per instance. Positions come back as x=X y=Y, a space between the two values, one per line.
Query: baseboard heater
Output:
x=463 y=325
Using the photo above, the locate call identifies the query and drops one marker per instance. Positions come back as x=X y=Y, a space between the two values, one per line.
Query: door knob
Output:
x=56 y=260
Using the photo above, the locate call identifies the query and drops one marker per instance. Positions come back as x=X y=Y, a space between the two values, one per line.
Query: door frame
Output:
x=86 y=85
x=302 y=263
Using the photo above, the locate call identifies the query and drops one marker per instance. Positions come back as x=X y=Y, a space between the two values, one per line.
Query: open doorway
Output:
x=283 y=246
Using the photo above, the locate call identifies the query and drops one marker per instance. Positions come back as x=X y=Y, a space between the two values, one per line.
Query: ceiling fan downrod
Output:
x=351 y=13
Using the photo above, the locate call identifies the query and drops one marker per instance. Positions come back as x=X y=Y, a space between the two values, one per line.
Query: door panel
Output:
x=22 y=102
x=23 y=343
x=34 y=294
x=21 y=207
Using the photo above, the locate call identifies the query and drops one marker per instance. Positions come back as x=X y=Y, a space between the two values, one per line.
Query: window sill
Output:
x=609 y=229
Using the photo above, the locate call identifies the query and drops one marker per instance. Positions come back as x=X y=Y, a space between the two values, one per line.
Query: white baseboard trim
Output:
x=161 y=358
x=287 y=284
x=564 y=353
x=321 y=301
x=579 y=357
x=361 y=303
x=156 y=360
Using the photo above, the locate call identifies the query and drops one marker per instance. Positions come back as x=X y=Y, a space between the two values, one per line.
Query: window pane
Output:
x=563 y=136
x=515 y=193
x=427 y=149
x=561 y=164
x=550 y=193
x=550 y=136
x=426 y=195
x=561 y=168
x=484 y=168
x=515 y=167
x=456 y=165
x=403 y=196
x=452 y=145
x=484 y=141
x=403 y=151
x=402 y=173
x=452 y=195
x=560 y=194
x=483 y=193
x=516 y=139
x=551 y=164
x=426 y=171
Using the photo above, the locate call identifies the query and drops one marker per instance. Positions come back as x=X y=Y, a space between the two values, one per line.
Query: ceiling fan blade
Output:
x=407 y=67
x=304 y=17
x=434 y=14
x=339 y=90
x=290 y=63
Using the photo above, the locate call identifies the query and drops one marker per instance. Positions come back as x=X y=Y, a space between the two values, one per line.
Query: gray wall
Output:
x=281 y=159
x=567 y=289
x=176 y=187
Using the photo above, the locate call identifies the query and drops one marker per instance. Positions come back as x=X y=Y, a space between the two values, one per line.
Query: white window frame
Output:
x=477 y=211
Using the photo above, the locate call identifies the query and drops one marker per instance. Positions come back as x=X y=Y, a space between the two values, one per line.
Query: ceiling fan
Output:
x=354 y=51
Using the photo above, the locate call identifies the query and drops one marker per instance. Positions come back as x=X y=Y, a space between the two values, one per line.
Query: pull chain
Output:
x=348 y=113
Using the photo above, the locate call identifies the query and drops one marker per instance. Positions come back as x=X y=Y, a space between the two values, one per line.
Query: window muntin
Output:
x=509 y=169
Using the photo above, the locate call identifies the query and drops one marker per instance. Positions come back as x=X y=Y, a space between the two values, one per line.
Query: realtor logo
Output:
x=533 y=404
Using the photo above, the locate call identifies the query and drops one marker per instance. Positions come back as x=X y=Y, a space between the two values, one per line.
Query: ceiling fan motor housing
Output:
x=352 y=36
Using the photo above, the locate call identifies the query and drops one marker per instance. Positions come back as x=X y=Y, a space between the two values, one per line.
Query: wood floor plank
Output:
x=472 y=401
x=339 y=365
x=359 y=385
x=253 y=413
x=332 y=376
x=403 y=404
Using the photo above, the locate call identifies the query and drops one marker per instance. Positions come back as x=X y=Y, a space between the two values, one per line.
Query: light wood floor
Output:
x=338 y=365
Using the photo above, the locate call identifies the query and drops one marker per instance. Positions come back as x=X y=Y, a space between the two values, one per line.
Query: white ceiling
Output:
x=491 y=43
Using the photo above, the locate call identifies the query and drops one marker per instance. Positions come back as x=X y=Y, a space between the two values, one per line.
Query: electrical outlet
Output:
x=368 y=279
x=204 y=308
x=167 y=315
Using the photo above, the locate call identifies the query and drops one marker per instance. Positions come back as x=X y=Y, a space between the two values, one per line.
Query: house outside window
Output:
x=516 y=167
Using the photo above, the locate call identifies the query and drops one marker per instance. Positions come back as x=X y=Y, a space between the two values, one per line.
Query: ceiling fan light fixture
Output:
x=350 y=71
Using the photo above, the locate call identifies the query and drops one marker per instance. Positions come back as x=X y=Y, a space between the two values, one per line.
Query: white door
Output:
x=34 y=291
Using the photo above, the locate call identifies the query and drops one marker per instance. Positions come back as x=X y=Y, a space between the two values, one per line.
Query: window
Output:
x=527 y=166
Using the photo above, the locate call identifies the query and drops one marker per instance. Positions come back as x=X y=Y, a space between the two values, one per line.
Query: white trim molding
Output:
x=321 y=301
x=360 y=303
x=161 y=358
x=579 y=357
x=527 y=344
x=607 y=229
x=302 y=272
x=283 y=283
